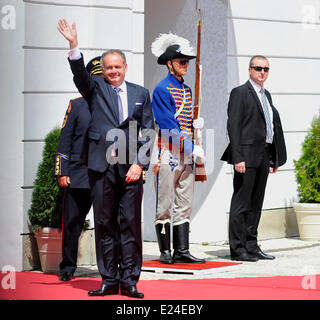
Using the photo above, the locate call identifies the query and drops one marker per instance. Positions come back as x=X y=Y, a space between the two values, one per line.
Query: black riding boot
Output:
x=181 y=245
x=163 y=235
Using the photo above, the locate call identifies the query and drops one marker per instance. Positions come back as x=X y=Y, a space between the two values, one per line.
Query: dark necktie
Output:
x=120 y=107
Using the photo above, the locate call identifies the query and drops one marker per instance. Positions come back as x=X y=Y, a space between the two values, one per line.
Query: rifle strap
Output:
x=176 y=115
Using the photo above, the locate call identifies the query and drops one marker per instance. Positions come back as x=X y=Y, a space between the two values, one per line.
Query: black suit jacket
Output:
x=247 y=129
x=72 y=136
x=103 y=103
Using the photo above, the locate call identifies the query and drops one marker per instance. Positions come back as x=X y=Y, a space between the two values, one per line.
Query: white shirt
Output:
x=257 y=89
x=75 y=54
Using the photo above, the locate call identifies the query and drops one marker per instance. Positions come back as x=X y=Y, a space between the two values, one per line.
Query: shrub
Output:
x=307 y=168
x=46 y=202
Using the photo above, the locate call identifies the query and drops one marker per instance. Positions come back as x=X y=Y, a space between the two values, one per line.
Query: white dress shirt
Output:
x=74 y=54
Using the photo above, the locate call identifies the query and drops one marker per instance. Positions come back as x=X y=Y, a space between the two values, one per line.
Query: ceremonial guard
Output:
x=72 y=175
x=174 y=171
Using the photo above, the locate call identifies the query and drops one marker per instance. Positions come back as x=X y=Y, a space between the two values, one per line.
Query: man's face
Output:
x=261 y=76
x=114 y=69
x=180 y=66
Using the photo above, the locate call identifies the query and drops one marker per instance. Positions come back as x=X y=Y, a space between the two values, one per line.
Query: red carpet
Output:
x=188 y=266
x=39 y=286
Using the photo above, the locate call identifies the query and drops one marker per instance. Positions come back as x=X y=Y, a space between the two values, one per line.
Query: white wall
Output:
x=11 y=132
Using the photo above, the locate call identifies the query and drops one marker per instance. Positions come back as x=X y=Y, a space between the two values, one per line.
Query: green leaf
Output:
x=307 y=167
x=46 y=201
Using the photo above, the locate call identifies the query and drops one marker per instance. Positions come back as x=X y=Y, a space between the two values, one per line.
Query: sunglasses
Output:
x=183 y=62
x=265 y=69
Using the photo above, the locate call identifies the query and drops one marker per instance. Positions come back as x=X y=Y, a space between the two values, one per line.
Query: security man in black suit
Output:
x=120 y=136
x=256 y=148
x=72 y=175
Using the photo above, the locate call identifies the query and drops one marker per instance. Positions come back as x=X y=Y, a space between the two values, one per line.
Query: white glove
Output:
x=198 y=123
x=198 y=152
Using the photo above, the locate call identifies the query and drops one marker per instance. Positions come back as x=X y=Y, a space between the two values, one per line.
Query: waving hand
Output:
x=70 y=33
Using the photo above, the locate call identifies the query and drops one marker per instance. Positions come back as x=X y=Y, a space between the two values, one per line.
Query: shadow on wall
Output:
x=233 y=66
x=180 y=17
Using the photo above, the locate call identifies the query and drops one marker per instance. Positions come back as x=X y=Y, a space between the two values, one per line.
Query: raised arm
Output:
x=81 y=78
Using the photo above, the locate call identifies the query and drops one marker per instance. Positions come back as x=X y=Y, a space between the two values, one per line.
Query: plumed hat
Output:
x=170 y=46
x=94 y=66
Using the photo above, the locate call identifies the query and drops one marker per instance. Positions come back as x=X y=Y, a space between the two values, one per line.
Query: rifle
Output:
x=200 y=172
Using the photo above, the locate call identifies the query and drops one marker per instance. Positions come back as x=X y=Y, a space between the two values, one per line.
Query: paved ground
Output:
x=293 y=258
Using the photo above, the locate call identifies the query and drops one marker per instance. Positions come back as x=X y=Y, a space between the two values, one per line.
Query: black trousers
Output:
x=117 y=219
x=76 y=205
x=246 y=206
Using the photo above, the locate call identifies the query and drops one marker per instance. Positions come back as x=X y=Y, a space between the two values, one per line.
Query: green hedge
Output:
x=46 y=203
x=307 y=168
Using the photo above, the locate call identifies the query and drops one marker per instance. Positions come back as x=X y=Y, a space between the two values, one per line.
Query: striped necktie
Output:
x=267 y=116
x=120 y=107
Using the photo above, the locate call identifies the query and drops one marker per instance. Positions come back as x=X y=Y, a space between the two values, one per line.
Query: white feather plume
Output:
x=165 y=40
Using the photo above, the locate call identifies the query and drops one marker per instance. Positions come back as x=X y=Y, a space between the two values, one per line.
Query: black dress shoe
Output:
x=104 y=290
x=263 y=256
x=245 y=256
x=65 y=276
x=131 y=291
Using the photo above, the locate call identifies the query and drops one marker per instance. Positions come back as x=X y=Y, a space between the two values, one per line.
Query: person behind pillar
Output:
x=72 y=175
x=256 y=148
x=174 y=171
x=115 y=164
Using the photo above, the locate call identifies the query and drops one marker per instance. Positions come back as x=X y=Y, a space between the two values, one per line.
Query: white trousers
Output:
x=174 y=185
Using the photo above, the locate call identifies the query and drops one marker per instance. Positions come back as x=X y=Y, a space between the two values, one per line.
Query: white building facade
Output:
x=36 y=86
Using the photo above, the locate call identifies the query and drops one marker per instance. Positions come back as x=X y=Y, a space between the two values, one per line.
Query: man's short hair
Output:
x=113 y=51
x=258 y=57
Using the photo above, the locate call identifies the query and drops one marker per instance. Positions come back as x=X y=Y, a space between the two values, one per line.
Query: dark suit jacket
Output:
x=73 y=131
x=247 y=129
x=103 y=103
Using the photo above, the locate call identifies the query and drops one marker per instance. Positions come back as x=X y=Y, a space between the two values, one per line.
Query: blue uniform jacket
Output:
x=166 y=100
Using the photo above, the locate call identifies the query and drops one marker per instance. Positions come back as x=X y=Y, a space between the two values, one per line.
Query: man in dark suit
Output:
x=120 y=135
x=72 y=175
x=256 y=148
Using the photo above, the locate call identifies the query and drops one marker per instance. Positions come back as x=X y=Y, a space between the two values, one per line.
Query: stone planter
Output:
x=49 y=242
x=308 y=218
x=31 y=260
